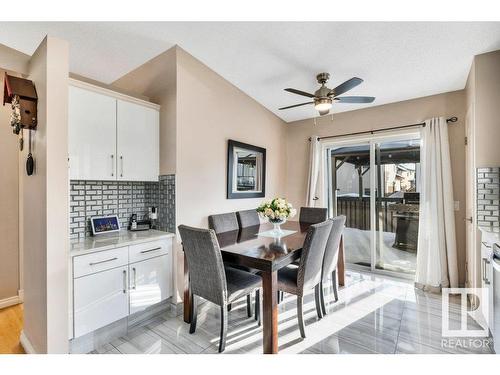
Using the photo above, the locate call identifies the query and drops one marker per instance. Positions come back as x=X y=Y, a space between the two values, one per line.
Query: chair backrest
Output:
x=223 y=222
x=331 y=257
x=207 y=278
x=313 y=251
x=248 y=218
x=312 y=215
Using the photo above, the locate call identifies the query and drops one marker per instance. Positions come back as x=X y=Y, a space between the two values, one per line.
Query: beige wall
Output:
x=45 y=205
x=9 y=203
x=395 y=114
x=200 y=112
x=14 y=60
x=486 y=96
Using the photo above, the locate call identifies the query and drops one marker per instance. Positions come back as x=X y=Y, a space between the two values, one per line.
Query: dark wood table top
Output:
x=245 y=247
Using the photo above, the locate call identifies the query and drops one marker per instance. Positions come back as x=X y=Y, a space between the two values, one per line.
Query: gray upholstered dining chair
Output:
x=222 y=223
x=297 y=280
x=312 y=215
x=330 y=260
x=228 y=222
x=248 y=218
x=209 y=279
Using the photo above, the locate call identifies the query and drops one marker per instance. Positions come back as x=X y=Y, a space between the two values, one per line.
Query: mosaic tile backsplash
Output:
x=122 y=198
x=488 y=197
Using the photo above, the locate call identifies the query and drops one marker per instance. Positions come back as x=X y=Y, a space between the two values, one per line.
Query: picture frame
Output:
x=104 y=224
x=246 y=170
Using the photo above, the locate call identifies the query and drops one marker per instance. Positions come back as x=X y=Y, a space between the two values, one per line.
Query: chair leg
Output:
x=194 y=313
x=223 y=328
x=249 y=305
x=257 y=306
x=317 y=301
x=322 y=297
x=229 y=306
x=282 y=296
x=300 y=316
x=335 y=285
x=278 y=297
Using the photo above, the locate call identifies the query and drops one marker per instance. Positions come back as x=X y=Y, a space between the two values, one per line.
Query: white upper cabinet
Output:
x=111 y=136
x=137 y=142
x=92 y=135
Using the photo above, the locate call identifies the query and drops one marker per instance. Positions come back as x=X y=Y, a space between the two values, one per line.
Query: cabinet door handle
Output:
x=121 y=160
x=103 y=261
x=483 y=269
x=486 y=279
x=486 y=244
x=124 y=281
x=112 y=165
x=135 y=278
x=150 y=250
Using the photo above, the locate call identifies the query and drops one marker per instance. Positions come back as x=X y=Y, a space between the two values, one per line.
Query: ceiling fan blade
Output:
x=299 y=92
x=346 y=86
x=355 y=99
x=296 y=105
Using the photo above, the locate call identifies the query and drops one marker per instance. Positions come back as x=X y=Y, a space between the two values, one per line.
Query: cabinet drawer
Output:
x=148 y=250
x=100 y=261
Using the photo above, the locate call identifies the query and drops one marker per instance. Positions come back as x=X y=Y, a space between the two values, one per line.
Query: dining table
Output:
x=264 y=250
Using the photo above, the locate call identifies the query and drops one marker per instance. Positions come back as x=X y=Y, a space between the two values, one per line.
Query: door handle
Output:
x=124 y=281
x=112 y=165
x=135 y=278
x=121 y=160
x=486 y=280
x=469 y=219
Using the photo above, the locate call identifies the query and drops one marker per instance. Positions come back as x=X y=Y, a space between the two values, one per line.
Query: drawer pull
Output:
x=486 y=244
x=150 y=250
x=103 y=261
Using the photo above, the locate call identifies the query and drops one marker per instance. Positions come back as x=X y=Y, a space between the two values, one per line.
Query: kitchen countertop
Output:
x=113 y=240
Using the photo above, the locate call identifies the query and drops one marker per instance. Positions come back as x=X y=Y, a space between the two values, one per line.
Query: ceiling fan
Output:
x=324 y=97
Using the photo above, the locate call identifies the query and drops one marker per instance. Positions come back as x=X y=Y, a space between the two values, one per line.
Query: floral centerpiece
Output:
x=276 y=211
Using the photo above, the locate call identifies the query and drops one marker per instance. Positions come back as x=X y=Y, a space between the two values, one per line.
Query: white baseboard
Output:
x=20 y=294
x=26 y=344
x=6 y=302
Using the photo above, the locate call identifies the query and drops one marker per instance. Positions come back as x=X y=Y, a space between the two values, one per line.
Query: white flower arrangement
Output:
x=276 y=210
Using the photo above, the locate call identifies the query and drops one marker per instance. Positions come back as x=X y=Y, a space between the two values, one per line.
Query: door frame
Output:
x=326 y=193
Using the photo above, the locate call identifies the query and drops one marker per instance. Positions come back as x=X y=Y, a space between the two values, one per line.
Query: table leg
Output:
x=187 y=300
x=270 y=312
x=341 y=263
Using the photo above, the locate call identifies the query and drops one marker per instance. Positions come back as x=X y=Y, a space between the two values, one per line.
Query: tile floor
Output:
x=374 y=314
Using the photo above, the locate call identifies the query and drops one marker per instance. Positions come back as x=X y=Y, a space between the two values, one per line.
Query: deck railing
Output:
x=357 y=212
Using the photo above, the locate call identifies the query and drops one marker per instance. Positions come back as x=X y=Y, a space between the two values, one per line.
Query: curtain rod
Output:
x=451 y=119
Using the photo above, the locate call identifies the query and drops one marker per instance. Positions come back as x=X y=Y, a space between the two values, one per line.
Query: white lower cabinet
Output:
x=100 y=299
x=149 y=282
x=112 y=284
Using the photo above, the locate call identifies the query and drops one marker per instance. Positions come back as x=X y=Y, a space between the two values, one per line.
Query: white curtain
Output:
x=312 y=182
x=437 y=253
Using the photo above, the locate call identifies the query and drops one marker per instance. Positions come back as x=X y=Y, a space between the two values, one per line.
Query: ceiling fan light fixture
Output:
x=323 y=105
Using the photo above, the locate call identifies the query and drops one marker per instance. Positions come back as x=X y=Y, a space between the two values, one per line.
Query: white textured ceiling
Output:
x=398 y=61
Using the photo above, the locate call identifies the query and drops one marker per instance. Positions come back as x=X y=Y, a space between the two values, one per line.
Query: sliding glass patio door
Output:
x=375 y=183
x=351 y=196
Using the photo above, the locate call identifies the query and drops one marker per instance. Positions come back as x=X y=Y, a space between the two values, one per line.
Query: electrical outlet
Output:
x=456 y=205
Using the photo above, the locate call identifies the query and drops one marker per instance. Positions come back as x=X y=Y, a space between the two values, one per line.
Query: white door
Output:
x=137 y=142
x=149 y=282
x=92 y=135
x=100 y=299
